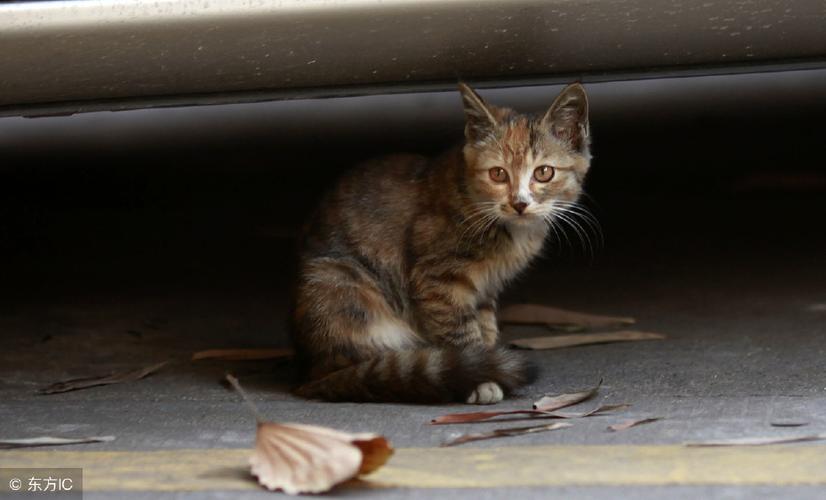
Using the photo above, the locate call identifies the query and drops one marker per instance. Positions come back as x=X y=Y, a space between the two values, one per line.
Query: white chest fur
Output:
x=511 y=257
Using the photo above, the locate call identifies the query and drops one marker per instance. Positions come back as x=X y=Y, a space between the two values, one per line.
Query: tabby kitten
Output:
x=403 y=261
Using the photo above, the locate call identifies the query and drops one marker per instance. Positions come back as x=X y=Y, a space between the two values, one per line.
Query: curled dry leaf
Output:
x=560 y=341
x=243 y=354
x=543 y=408
x=477 y=416
x=555 y=317
x=759 y=441
x=599 y=410
x=115 y=378
x=299 y=458
x=632 y=423
x=510 y=431
x=551 y=403
x=51 y=441
x=469 y=418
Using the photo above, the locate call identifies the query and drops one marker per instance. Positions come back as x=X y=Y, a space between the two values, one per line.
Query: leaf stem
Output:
x=237 y=386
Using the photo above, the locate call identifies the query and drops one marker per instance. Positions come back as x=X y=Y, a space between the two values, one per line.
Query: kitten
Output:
x=403 y=261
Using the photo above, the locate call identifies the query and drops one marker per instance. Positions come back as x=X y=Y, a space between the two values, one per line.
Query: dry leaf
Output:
x=760 y=441
x=243 y=354
x=599 y=410
x=632 y=423
x=555 y=317
x=538 y=414
x=548 y=405
x=115 y=378
x=551 y=403
x=560 y=341
x=478 y=416
x=298 y=458
x=510 y=431
x=51 y=441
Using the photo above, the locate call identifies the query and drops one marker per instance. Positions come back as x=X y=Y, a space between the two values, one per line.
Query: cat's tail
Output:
x=428 y=375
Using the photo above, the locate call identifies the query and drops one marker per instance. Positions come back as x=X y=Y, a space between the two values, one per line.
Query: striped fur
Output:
x=403 y=261
x=426 y=375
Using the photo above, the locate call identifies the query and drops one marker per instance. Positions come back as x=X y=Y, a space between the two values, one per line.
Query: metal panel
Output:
x=67 y=56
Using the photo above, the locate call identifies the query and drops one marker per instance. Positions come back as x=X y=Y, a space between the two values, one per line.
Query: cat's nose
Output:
x=519 y=206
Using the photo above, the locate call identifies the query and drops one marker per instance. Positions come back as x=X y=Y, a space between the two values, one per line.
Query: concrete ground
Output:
x=117 y=268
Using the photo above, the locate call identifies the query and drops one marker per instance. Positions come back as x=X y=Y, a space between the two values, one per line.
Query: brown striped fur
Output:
x=403 y=261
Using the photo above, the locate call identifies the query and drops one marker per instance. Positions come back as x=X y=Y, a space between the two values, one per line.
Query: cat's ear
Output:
x=567 y=118
x=479 y=120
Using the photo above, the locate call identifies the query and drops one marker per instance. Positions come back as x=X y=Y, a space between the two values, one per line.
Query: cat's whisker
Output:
x=559 y=233
x=476 y=213
x=576 y=210
x=470 y=223
x=487 y=223
x=592 y=221
x=583 y=212
x=494 y=218
x=483 y=220
x=553 y=229
x=470 y=229
x=580 y=231
x=476 y=210
x=561 y=224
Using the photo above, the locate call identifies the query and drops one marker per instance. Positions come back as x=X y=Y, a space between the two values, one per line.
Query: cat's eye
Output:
x=498 y=174
x=544 y=173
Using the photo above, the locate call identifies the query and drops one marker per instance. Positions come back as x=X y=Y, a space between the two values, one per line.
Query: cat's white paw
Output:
x=486 y=393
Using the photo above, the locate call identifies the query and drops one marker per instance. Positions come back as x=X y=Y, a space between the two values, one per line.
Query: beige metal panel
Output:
x=87 y=54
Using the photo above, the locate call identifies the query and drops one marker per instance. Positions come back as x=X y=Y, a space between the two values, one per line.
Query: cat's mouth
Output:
x=525 y=218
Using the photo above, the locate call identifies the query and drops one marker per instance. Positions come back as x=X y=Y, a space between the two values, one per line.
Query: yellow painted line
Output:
x=226 y=469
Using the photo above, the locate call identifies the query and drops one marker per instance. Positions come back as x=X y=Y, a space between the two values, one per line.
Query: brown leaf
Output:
x=548 y=405
x=300 y=458
x=51 y=441
x=551 y=403
x=599 y=410
x=478 y=416
x=560 y=341
x=469 y=418
x=375 y=452
x=759 y=441
x=632 y=423
x=243 y=354
x=510 y=431
x=538 y=415
x=115 y=378
x=555 y=317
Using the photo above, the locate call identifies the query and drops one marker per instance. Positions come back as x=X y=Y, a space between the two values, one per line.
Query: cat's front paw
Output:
x=486 y=393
